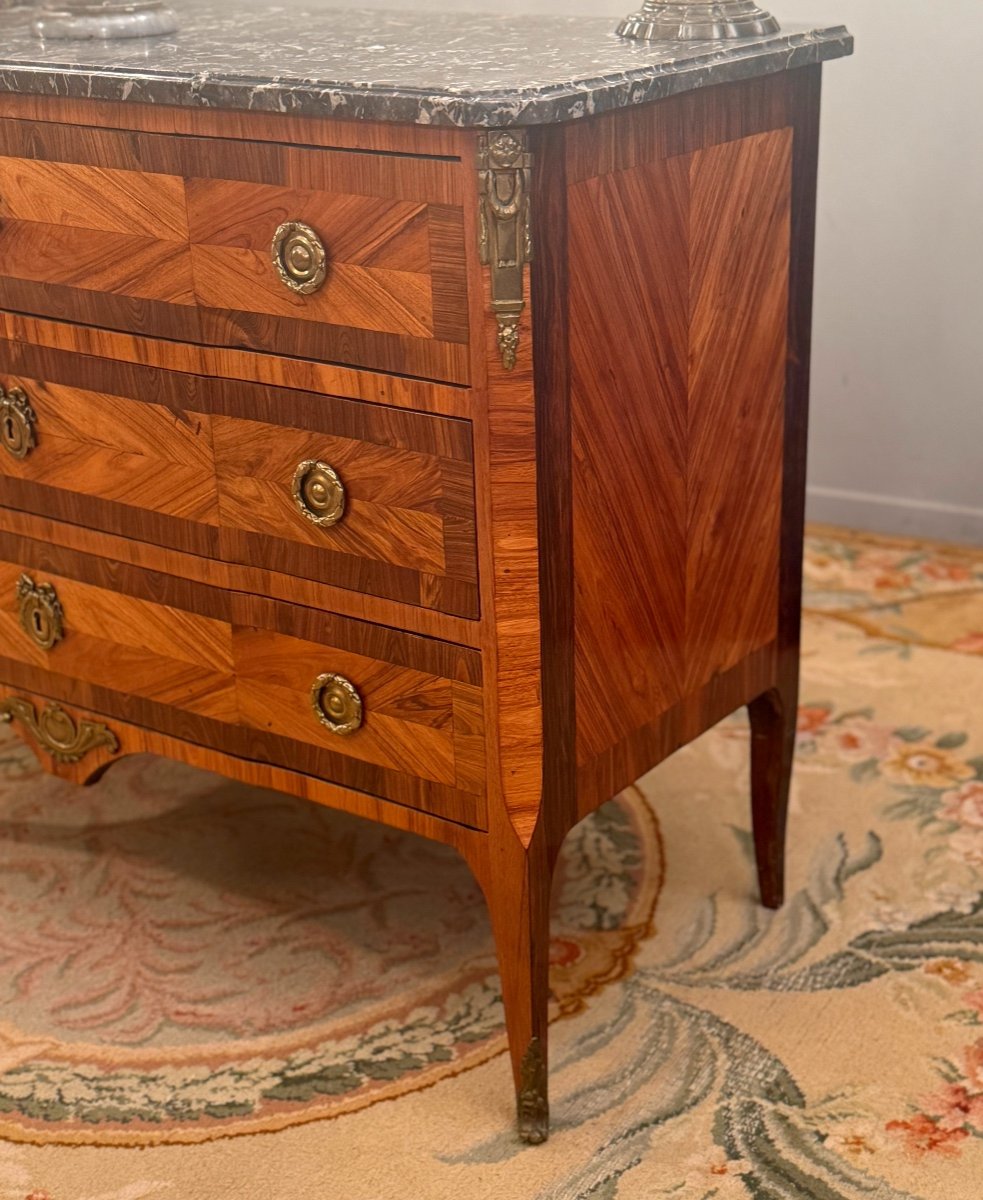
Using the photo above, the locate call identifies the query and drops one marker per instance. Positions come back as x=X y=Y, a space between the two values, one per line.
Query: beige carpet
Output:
x=208 y=991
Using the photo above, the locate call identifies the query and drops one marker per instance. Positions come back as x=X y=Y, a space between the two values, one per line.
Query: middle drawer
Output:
x=376 y=499
x=386 y=712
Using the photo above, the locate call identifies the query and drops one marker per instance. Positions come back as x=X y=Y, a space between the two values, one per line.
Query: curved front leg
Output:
x=517 y=889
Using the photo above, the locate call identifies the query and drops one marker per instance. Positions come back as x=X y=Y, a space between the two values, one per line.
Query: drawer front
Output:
x=85 y=238
x=124 y=644
x=107 y=461
x=217 y=468
x=248 y=676
x=175 y=236
x=416 y=704
x=394 y=520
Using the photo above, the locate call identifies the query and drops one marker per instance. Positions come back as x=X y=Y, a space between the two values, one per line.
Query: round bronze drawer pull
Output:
x=17 y=421
x=299 y=257
x=337 y=703
x=41 y=615
x=319 y=492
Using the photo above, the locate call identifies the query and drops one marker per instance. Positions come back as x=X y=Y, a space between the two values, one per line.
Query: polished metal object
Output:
x=336 y=703
x=56 y=731
x=318 y=492
x=17 y=422
x=299 y=257
x=104 y=19
x=504 y=166
x=41 y=615
x=533 y=1099
x=697 y=21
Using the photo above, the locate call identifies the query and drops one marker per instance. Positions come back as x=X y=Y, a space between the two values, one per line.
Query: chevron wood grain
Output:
x=677 y=524
x=629 y=468
x=98 y=219
x=393 y=497
x=408 y=715
x=131 y=453
x=129 y=645
x=177 y=459
x=236 y=672
x=223 y=362
x=740 y=202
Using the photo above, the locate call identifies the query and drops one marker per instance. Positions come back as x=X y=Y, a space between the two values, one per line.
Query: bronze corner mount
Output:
x=504 y=171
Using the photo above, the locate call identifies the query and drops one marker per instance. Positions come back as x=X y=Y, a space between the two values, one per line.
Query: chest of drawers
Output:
x=448 y=474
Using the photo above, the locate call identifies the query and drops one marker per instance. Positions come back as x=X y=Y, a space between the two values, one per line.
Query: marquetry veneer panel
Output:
x=235 y=672
x=677 y=446
x=206 y=466
x=171 y=236
x=127 y=644
x=408 y=521
x=121 y=465
x=635 y=480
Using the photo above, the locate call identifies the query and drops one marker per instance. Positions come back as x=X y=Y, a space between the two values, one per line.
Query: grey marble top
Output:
x=429 y=67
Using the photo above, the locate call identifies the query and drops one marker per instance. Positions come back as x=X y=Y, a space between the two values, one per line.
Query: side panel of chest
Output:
x=679 y=245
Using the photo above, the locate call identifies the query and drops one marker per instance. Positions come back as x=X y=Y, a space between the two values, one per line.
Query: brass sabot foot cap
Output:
x=533 y=1104
x=534 y=1128
x=682 y=21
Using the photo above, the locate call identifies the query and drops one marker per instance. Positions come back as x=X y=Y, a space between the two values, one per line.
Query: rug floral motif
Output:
x=154 y=989
x=324 y=989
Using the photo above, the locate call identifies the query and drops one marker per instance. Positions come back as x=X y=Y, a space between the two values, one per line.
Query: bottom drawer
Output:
x=372 y=708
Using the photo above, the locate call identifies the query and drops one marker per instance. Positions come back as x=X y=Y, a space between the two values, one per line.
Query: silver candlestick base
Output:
x=104 y=19
x=697 y=20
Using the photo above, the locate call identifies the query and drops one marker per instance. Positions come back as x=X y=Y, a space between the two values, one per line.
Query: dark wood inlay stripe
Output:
x=398 y=353
x=439 y=799
x=459 y=597
x=381 y=642
x=374 y=641
x=444 y=437
x=191 y=537
x=152 y=317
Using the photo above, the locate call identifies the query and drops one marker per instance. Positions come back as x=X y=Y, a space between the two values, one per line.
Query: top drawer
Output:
x=174 y=236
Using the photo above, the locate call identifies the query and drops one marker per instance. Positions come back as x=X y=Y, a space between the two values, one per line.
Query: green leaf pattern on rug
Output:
x=601 y=860
x=53 y=1091
x=763 y=1128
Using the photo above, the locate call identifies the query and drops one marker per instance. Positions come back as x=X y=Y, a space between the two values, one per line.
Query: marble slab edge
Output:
x=539 y=105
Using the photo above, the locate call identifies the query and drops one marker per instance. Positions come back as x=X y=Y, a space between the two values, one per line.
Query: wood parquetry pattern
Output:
x=546 y=580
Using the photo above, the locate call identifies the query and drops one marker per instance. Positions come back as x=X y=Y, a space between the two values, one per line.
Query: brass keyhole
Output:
x=17 y=421
x=41 y=615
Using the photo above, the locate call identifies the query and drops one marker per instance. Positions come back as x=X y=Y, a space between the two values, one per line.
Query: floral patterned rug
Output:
x=312 y=1009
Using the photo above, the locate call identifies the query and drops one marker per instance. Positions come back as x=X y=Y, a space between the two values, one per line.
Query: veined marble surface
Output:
x=429 y=67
